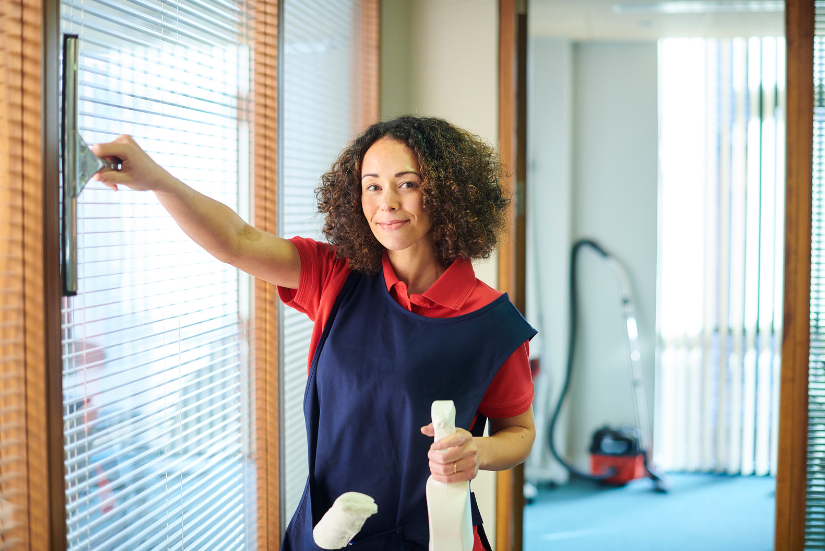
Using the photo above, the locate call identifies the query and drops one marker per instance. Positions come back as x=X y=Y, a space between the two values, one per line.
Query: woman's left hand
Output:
x=454 y=458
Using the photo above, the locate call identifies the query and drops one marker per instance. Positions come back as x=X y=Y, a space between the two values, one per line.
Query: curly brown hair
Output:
x=460 y=190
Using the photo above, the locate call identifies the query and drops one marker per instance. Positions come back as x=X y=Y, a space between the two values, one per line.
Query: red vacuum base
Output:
x=628 y=467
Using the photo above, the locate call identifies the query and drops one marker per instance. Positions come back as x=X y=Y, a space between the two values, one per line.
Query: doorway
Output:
x=595 y=139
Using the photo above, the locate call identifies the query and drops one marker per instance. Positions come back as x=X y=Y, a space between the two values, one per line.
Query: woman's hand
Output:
x=137 y=169
x=454 y=458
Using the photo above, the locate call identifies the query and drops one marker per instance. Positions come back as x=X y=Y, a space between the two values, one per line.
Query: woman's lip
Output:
x=394 y=225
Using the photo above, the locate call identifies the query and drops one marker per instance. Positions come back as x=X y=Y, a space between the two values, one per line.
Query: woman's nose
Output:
x=389 y=200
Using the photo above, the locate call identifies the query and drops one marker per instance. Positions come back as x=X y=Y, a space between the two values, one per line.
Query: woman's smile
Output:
x=391 y=225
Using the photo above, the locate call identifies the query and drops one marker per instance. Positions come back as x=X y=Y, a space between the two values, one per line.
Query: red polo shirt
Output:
x=456 y=292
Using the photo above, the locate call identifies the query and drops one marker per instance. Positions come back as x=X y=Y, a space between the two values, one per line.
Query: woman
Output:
x=400 y=319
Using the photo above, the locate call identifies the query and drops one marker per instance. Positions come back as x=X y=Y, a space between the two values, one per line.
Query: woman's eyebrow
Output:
x=397 y=175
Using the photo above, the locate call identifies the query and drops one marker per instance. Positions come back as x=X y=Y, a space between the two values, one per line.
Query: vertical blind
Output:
x=721 y=244
x=156 y=378
x=320 y=113
x=815 y=487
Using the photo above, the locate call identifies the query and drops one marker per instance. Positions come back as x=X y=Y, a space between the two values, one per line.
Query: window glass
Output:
x=319 y=118
x=155 y=357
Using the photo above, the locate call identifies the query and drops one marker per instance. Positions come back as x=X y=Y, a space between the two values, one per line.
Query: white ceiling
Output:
x=598 y=20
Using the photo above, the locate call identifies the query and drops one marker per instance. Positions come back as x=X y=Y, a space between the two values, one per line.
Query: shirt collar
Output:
x=451 y=290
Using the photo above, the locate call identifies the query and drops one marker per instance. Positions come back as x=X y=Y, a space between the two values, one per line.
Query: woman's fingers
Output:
x=137 y=169
x=111 y=177
x=458 y=438
x=454 y=458
x=451 y=455
x=121 y=148
x=458 y=471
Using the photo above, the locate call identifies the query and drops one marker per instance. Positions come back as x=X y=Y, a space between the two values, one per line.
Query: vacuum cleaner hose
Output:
x=570 y=355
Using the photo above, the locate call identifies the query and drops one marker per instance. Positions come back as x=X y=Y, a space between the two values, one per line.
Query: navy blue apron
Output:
x=374 y=376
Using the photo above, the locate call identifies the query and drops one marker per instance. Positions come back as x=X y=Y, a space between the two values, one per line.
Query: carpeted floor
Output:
x=701 y=513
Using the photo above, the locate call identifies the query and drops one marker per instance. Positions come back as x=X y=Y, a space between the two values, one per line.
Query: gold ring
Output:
x=455 y=467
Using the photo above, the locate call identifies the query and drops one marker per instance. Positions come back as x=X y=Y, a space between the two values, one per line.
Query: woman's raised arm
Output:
x=211 y=224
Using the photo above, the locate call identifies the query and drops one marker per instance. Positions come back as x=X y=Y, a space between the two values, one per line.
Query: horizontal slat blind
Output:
x=156 y=373
x=319 y=117
x=815 y=487
x=13 y=501
x=24 y=485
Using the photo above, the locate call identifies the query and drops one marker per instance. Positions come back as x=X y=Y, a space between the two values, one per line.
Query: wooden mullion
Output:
x=367 y=82
x=793 y=404
x=265 y=317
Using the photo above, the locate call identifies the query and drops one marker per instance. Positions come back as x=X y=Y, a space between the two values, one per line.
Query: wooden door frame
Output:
x=793 y=401
x=512 y=136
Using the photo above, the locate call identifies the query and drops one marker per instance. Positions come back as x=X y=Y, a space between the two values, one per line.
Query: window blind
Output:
x=815 y=487
x=722 y=187
x=156 y=378
x=12 y=355
x=320 y=114
x=23 y=407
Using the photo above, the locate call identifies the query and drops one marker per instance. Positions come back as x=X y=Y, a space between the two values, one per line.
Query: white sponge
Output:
x=344 y=520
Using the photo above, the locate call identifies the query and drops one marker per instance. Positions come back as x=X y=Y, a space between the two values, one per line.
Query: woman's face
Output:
x=391 y=195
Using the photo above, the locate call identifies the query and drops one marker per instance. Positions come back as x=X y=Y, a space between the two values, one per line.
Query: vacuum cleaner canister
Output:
x=617 y=451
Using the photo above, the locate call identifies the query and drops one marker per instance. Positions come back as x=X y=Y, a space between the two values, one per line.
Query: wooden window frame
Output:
x=52 y=45
x=512 y=135
x=266 y=15
x=793 y=401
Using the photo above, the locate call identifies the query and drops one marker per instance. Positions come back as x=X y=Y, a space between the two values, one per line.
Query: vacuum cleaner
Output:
x=617 y=454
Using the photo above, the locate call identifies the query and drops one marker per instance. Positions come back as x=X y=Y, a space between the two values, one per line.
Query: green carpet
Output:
x=701 y=512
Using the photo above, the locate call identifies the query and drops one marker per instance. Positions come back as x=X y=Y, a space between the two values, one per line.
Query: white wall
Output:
x=549 y=219
x=440 y=58
x=609 y=194
x=615 y=202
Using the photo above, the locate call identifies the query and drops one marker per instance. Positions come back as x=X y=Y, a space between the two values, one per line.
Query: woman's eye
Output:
x=410 y=184
x=372 y=187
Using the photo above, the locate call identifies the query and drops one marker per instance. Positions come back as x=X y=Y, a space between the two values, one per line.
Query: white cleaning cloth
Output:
x=344 y=520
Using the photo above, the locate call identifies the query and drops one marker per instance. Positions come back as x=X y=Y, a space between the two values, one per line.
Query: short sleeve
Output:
x=319 y=267
x=511 y=391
